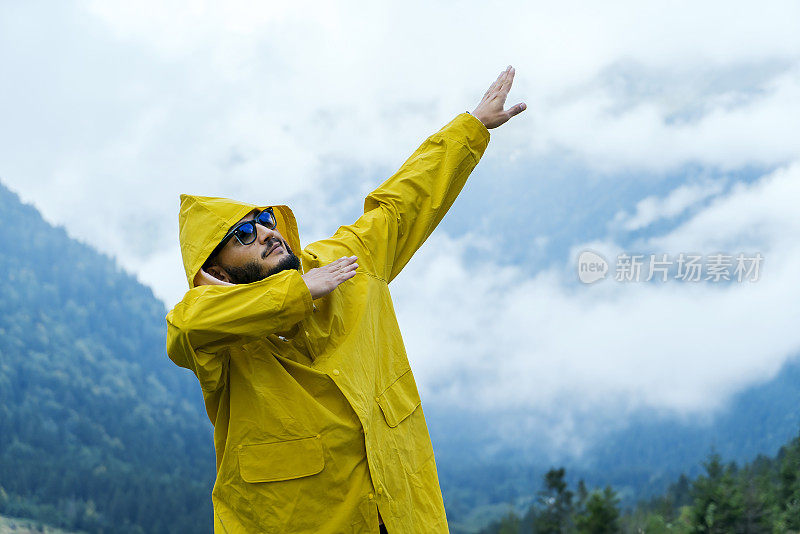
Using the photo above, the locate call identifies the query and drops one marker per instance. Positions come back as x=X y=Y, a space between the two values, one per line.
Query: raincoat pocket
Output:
x=399 y=400
x=281 y=460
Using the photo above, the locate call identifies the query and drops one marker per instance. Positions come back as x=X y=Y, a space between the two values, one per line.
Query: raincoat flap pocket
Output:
x=400 y=399
x=281 y=460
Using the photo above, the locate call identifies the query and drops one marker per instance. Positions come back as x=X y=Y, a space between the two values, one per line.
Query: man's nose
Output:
x=266 y=234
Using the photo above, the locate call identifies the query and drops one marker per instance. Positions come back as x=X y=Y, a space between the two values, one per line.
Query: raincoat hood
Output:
x=204 y=221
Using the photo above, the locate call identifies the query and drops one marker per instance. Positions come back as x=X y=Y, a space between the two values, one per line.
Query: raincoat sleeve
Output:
x=211 y=318
x=403 y=211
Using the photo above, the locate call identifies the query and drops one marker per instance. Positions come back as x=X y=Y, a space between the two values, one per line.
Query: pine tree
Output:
x=555 y=504
x=509 y=524
x=601 y=514
x=789 y=486
x=717 y=505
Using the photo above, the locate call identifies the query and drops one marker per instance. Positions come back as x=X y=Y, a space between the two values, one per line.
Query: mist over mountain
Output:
x=640 y=455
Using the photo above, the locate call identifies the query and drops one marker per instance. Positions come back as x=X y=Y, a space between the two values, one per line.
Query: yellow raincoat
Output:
x=317 y=418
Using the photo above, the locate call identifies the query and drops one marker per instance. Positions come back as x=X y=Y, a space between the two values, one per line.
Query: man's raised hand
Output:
x=323 y=280
x=490 y=110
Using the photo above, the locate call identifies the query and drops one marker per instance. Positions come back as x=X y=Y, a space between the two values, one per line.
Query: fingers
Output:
x=348 y=267
x=343 y=264
x=497 y=83
x=322 y=280
x=516 y=110
x=501 y=86
x=508 y=79
x=344 y=260
x=347 y=275
x=345 y=269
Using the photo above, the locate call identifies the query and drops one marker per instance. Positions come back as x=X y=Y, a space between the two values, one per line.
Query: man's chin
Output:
x=288 y=261
x=253 y=271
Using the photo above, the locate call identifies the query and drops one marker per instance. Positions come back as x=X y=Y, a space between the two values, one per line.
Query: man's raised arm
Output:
x=403 y=211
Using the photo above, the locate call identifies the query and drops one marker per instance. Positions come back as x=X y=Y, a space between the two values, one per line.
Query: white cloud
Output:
x=653 y=208
x=490 y=338
x=761 y=129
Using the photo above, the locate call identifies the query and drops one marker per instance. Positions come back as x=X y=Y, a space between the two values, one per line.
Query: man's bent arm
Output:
x=212 y=317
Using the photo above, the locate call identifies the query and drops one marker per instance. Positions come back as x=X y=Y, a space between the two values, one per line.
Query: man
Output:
x=317 y=419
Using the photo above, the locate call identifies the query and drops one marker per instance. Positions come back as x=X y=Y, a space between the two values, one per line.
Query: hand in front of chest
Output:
x=323 y=280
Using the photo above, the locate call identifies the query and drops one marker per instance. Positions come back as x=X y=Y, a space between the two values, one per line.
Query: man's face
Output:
x=267 y=255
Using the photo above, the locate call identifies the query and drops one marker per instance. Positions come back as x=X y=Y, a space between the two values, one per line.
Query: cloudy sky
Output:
x=652 y=128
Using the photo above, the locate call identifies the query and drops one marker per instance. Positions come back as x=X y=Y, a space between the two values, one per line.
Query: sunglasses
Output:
x=246 y=232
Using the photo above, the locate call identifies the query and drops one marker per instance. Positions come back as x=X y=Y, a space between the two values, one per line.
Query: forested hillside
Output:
x=99 y=431
x=639 y=460
x=761 y=497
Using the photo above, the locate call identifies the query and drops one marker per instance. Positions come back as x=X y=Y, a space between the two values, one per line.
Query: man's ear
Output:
x=219 y=273
x=202 y=278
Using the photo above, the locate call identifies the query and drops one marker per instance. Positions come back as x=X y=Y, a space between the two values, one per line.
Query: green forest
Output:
x=99 y=431
x=761 y=497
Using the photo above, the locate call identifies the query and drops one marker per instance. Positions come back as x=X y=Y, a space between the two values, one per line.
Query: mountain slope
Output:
x=98 y=429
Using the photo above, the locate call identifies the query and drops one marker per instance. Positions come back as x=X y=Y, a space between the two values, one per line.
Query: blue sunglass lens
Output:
x=267 y=219
x=246 y=233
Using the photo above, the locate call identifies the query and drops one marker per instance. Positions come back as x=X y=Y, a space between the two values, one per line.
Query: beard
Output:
x=254 y=271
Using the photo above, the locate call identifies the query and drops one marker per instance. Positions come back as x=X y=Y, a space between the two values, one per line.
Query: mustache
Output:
x=271 y=243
